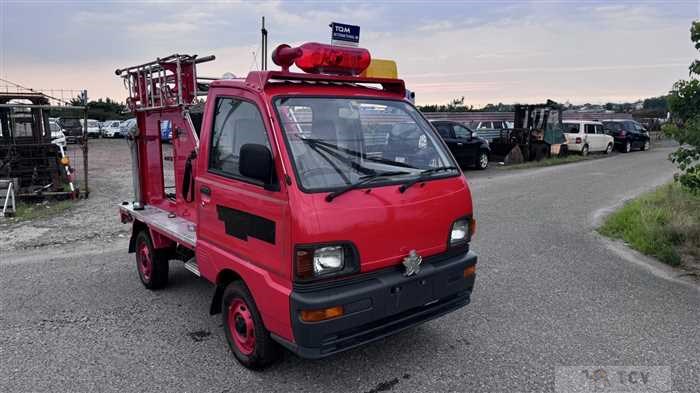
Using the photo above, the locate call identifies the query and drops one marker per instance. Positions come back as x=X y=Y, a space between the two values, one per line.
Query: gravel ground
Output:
x=549 y=293
x=95 y=218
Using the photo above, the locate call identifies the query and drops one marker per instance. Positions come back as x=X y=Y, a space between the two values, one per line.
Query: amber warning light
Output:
x=318 y=58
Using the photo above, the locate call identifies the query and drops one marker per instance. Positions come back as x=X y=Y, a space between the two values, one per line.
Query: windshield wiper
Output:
x=330 y=149
x=424 y=175
x=363 y=180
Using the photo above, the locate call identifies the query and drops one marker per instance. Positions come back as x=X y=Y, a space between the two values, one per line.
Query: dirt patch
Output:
x=93 y=219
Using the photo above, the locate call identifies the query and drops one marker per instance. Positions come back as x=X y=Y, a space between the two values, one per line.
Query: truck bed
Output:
x=177 y=228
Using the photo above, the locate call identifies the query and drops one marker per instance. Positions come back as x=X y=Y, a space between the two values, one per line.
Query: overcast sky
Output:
x=488 y=52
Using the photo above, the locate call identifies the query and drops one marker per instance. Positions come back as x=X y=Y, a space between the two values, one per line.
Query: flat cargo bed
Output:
x=179 y=229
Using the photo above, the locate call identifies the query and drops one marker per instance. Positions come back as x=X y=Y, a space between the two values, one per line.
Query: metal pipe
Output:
x=179 y=82
x=29 y=106
x=132 y=140
x=85 y=151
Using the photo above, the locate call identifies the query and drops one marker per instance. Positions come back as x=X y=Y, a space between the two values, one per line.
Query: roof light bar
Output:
x=318 y=58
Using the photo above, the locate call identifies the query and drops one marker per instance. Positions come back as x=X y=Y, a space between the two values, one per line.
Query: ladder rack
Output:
x=163 y=83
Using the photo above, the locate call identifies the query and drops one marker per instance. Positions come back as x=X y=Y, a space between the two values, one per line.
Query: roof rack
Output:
x=163 y=83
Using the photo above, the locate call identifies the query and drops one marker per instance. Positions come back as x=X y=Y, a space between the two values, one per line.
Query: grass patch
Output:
x=664 y=223
x=33 y=211
x=550 y=162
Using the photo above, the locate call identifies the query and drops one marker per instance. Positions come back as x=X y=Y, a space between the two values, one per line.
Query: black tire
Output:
x=646 y=146
x=155 y=275
x=584 y=150
x=627 y=147
x=240 y=319
x=609 y=149
x=482 y=160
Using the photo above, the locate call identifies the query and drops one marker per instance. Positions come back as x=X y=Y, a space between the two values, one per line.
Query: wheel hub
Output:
x=241 y=326
x=145 y=262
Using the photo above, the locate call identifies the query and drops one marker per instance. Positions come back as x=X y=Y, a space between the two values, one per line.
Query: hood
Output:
x=383 y=223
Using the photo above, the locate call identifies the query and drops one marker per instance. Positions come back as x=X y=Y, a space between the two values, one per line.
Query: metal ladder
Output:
x=7 y=192
x=166 y=82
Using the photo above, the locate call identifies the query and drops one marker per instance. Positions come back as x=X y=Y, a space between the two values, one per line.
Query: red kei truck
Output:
x=322 y=205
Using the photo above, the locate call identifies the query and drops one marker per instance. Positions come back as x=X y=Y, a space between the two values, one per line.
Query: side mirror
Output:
x=256 y=163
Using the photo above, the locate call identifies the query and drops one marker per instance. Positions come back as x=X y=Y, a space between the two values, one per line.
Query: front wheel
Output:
x=646 y=146
x=246 y=334
x=609 y=149
x=482 y=161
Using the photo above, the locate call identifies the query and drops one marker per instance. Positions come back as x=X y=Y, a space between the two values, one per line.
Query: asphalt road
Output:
x=549 y=293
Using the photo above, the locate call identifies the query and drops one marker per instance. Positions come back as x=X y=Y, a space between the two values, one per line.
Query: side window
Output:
x=485 y=124
x=599 y=129
x=571 y=128
x=443 y=130
x=236 y=123
x=589 y=128
x=498 y=125
x=461 y=132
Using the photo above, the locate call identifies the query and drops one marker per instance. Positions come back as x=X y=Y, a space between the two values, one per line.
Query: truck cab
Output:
x=322 y=206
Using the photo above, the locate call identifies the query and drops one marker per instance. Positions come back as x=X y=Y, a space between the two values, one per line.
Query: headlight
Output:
x=328 y=260
x=462 y=231
x=325 y=260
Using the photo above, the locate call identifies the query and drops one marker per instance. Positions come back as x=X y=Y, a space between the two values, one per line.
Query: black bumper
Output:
x=378 y=305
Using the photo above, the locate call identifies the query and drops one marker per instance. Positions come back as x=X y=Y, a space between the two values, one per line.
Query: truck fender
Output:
x=159 y=241
x=224 y=278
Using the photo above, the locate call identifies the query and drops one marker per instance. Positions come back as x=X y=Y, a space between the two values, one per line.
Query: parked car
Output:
x=468 y=148
x=125 y=126
x=93 y=128
x=110 y=129
x=57 y=135
x=72 y=127
x=489 y=130
x=628 y=135
x=585 y=136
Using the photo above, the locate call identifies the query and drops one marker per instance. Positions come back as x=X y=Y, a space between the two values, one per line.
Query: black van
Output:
x=73 y=128
x=628 y=135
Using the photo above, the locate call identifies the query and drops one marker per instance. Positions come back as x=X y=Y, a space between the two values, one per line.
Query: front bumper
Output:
x=378 y=304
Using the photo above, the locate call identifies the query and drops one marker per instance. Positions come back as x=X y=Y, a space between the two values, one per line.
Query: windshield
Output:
x=71 y=123
x=335 y=142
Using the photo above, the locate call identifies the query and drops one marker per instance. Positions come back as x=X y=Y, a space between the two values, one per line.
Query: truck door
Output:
x=243 y=225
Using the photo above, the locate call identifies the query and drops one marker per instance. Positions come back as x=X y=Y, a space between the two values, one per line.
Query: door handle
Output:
x=205 y=190
x=460 y=144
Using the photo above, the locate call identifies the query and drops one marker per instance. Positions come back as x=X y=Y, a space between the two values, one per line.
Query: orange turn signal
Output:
x=470 y=271
x=322 y=314
x=65 y=161
x=472 y=227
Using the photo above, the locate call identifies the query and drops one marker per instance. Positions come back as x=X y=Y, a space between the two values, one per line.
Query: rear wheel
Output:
x=609 y=149
x=151 y=264
x=584 y=150
x=627 y=147
x=482 y=160
x=246 y=334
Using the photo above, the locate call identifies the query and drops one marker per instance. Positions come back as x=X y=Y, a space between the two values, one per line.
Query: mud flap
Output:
x=215 y=307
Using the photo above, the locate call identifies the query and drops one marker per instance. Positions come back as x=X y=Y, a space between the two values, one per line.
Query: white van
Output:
x=587 y=136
